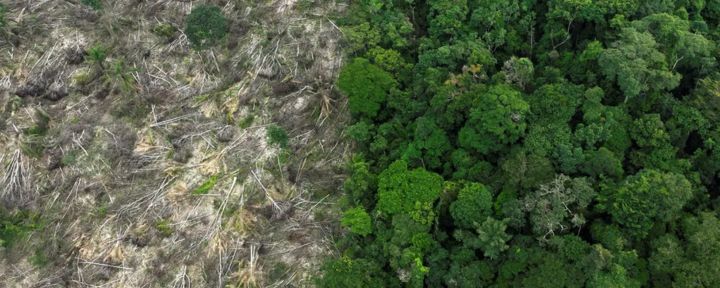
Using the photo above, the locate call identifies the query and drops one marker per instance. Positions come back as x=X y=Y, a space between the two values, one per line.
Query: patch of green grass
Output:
x=39 y=259
x=164 y=227
x=101 y=211
x=247 y=121
x=120 y=75
x=206 y=186
x=278 y=272
x=277 y=136
x=69 y=159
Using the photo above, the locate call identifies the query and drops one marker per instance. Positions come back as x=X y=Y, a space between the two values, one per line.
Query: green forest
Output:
x=524 y=143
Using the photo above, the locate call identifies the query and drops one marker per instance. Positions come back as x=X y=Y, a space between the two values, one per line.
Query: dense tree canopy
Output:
x=524 y=143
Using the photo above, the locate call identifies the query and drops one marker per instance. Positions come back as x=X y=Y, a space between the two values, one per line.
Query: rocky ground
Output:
x=152 y=167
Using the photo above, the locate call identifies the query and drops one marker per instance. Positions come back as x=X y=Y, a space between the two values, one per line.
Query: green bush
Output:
x=165 y=30
x=2 y=15
x=205 y=26
x=15 y=226
x=277 y=136
x=94 y=4
x=163 y=226
x=97 y=55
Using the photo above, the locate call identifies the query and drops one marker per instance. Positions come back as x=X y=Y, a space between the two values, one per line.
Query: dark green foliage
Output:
x=692 y=262
x=361 y=184
x=94 y=4
x=648 y=198
x=205 y=26
x=490 y=238
x=276 y=135
x=636 y=64
x=524 y=143
x=347 y=272
x=366 y=86
x=96 y=55
x=472 y=206
x=3 y=10
x=498 y=118
x=15 y=226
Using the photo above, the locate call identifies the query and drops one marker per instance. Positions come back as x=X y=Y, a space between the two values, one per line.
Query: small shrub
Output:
x=205 y=26
x=97 y=55
x=101 y=211
x=32 y=141
x=206 y=186
x=277 y=136
x=39 y=259
x=32 y=145
x=69 y=159
x=163 y=226
x=14 y=227
x=42 y=123
x=120 y=75
x=2 y=15
x=247 y=121
x=94 y=4
x=165 y=30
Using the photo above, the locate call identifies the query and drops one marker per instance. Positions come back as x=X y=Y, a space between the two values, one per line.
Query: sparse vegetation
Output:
x=206 y=186
x=69 y=159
